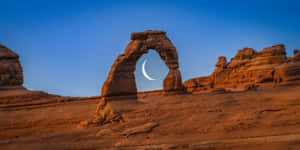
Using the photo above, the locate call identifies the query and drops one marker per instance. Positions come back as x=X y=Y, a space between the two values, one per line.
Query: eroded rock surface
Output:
x=11 y=74
x=250 y=67
x=145 y=128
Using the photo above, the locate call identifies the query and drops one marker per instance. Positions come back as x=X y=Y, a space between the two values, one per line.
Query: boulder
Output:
x=198 y=84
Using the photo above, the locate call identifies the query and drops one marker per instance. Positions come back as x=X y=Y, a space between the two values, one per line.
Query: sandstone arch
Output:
x=121 y=79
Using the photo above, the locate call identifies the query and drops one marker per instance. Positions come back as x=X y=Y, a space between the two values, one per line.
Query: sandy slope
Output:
x=263 y=119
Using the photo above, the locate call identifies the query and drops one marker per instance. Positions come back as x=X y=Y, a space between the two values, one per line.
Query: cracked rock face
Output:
x=11 y=74
x=121 y=79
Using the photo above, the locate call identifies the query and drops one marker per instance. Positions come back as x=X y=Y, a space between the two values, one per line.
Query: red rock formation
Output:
x=11 y=74
x=121 y=79
x=250 y=67
x=222 y=62
x=287 y=72
x=173 y=81
x=198 y=84
x=296 y=56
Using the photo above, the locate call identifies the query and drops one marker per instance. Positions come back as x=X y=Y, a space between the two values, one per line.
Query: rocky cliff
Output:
x=11 y=74
x=248 y=69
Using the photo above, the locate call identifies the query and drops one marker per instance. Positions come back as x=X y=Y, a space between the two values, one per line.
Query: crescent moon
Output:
x=145 y=73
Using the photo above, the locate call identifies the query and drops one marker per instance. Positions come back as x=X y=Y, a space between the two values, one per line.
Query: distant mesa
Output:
x=11 y=73
x=248 y=69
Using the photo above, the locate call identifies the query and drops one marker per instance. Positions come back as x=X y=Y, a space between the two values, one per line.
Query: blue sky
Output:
x=68 y=46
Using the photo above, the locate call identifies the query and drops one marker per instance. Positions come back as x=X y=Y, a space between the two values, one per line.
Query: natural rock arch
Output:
x=121 y=79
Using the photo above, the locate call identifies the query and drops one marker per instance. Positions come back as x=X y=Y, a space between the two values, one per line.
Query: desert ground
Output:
x=266 y=118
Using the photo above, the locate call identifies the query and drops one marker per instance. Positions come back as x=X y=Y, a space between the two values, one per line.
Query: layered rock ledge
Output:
x=248 y=69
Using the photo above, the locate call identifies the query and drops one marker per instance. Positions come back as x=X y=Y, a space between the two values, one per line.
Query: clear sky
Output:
x=68 y=46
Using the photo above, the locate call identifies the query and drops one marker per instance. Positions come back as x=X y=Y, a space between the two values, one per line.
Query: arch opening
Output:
x=154 y=67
